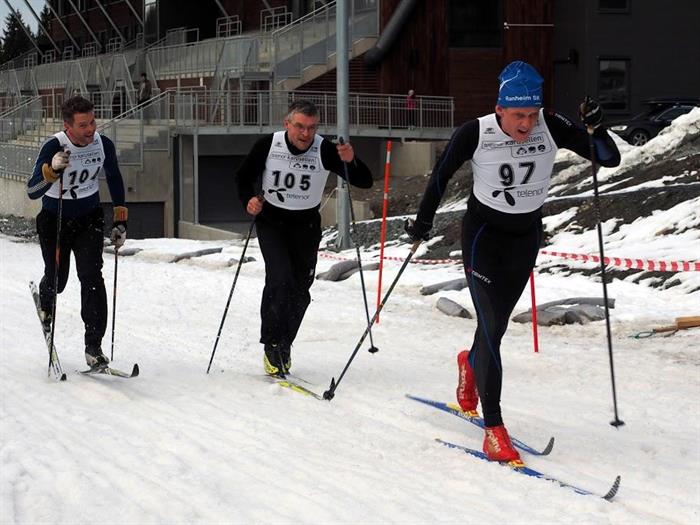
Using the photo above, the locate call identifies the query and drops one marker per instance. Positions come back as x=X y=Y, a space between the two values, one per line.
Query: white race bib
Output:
x=512 y=177
x=294 y=182
x=84 y=164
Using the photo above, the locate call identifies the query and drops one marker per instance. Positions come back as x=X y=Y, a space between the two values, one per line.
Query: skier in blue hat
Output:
x=512 y=154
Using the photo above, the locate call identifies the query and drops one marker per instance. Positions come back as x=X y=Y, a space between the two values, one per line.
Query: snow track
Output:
x=178 y=446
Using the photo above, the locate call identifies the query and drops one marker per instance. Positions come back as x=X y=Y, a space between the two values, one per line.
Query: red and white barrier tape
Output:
x=632 y=264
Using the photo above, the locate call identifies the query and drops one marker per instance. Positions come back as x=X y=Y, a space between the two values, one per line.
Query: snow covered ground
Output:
x=176 y=445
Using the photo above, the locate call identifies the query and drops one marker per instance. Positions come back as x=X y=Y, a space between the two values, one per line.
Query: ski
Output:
x=294 y=386
x=519 y=466
x=54 y=363
x=479 y=422
x=108 y=370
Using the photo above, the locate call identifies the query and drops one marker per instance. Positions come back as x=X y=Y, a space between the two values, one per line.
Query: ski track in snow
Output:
x=178 y=446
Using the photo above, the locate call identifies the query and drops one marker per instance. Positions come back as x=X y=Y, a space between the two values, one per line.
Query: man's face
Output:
x=301 y=130
x=518 y=122
x=81 y=131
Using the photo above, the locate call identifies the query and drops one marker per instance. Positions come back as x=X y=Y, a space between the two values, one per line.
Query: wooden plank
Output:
x=687 y=322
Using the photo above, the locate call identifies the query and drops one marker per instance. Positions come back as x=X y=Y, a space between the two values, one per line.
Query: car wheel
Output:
x=639 y=137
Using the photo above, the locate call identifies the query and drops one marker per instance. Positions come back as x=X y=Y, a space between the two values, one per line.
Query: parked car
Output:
x=658 y=114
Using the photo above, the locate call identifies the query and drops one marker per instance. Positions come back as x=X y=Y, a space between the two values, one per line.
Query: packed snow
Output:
x=177 y=445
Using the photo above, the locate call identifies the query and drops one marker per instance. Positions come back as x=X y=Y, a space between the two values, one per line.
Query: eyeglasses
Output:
x=301 y=128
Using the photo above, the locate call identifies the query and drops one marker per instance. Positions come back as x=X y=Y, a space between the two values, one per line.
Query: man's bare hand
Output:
x=345 y=152
x=255 y=205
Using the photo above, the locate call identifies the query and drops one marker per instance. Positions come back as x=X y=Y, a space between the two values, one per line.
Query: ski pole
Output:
x=372 y=349
x=330 y=393
x=53 y=354
x=114 y=298
x=617 y=422
x=233 y=286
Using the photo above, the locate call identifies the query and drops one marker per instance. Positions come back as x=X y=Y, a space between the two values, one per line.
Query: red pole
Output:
x=534 y=312
x=385 y=206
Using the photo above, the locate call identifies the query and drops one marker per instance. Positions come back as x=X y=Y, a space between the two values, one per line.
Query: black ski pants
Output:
x=497 y=265
x=290 y=250
x=83 y=236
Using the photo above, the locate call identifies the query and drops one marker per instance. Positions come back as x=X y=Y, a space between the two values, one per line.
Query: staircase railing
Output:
x=310 y=40
x=23 y=118
x=144 y=127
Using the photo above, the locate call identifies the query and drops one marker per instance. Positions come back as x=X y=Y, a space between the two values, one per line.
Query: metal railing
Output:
x=145 y=127
x=26 y=118
x=274 y=18
x=228 y=26
x=202 y=58
x=268 y=108
x=148 y=126
x=310 y=40
x=17 y=161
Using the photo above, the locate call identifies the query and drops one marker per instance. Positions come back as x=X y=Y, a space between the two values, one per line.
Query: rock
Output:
x=365 y=268
x=196 y=253
x=123 y=252
x=451 y=308
x=551 y=314
x=455 y=284
x=335 y=271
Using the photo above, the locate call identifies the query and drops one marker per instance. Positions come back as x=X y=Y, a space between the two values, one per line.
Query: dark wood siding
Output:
x=474 y=81
x=418 y=58
x=532 y=44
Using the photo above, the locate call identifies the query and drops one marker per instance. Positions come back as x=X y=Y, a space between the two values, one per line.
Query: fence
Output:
x=311 y=39
x=268 y=108
x=147 y=127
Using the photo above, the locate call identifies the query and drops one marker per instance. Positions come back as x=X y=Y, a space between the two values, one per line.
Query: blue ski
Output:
x=476 y=420
x=522 y=469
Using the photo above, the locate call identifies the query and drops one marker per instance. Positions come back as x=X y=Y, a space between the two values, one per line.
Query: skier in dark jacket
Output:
x=78 y=155
x=512 y=154
x=292 y=165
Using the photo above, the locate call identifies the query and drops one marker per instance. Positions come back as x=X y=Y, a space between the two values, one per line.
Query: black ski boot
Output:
x=272 y=360
x=95 y=358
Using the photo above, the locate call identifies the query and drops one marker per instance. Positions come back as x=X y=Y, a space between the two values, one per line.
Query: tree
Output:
x=14 y=39
x=45 y=17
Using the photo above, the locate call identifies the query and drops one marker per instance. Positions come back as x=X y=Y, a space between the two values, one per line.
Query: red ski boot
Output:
x=467 y=396
x=497 y=445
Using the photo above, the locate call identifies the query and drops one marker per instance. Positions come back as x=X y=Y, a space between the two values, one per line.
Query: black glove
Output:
x=591 y=113
x=417 y=231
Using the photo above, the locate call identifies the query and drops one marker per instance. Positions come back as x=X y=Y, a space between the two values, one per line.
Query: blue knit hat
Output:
x=521 y=86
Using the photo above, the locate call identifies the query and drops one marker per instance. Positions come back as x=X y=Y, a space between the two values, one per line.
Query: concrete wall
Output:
x=152 y=183
x=412 y=158
x=361 y=208
x=200 y=232
x=14 y=199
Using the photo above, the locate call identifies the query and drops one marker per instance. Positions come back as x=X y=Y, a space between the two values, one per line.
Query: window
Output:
x=150 y=19
x=475 y=23
x=673 y=113
x=613 y=6
x=614 y=83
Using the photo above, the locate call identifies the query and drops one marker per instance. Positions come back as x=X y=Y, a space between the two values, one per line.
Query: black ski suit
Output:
x=499 y=248
x=289 y=240
x=82 y=232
